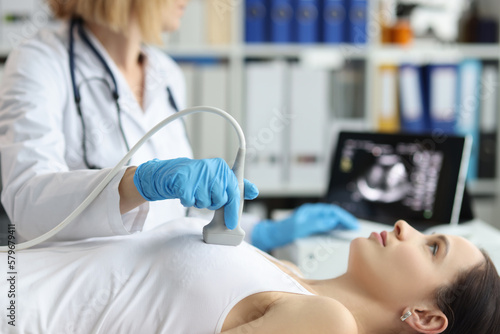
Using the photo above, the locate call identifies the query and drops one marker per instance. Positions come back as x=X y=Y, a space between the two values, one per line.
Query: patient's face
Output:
x=405 y=265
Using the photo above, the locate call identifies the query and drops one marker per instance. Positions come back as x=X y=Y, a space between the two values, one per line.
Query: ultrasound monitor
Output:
x=385 y=177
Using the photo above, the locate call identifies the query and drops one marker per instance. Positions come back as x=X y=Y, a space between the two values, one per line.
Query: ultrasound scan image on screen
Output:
x=385 y=177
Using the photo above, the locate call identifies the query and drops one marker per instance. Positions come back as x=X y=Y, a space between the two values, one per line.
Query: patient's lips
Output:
x=383 y=234
x=378 y=237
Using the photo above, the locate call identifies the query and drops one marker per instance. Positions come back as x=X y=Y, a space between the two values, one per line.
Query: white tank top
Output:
x=209 y=280
x=166 y=280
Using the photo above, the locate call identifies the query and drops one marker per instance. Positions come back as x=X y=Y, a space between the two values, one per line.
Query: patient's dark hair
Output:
x=472 y=302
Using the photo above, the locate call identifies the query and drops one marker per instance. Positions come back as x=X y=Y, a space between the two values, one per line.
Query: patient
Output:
x=168 y=281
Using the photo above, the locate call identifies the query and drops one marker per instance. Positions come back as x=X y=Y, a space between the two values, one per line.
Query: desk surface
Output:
x=325 y=256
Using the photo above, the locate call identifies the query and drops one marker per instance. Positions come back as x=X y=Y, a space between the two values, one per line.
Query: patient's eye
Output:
x=434 y=248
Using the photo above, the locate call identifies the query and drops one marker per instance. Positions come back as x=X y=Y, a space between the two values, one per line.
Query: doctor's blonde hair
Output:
x=115 y=14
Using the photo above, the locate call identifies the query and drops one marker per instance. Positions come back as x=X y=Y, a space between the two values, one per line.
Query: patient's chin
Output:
x=360 y=256
x=361 y=245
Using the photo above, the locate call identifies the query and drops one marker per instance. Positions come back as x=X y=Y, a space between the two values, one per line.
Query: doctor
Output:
x=74 y=99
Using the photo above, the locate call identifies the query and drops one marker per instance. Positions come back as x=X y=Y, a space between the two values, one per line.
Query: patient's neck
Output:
x=371 y=315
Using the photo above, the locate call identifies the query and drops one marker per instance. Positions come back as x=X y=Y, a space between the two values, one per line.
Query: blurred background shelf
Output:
x=219 y=51
x=270 y=50
x=436 y=52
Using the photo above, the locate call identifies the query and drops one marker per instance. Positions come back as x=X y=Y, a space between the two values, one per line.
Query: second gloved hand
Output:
x=308 y=219
x=207 y=183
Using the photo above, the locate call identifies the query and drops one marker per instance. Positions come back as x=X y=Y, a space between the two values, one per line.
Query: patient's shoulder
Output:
x=335 y=316
x=319 y=314
x=299 y=314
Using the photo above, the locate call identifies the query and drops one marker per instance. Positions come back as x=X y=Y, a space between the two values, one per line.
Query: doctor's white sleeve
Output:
x=39 y=190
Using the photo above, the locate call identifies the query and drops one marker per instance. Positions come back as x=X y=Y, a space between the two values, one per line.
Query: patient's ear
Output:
x=427 y=320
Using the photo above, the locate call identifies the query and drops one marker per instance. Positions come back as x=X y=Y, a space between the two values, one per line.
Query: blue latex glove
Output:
x=208 y=183
x=306 y=220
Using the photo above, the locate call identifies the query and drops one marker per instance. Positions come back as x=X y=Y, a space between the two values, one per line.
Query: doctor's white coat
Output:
x=43 y=173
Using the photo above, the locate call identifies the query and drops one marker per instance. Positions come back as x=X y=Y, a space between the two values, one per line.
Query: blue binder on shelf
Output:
x=412 y=113
x=282 y=13
x=357 y=20
x=256 y=21
x=440 y=96
x=333 y=21
x=306 y=21
x=468 y=106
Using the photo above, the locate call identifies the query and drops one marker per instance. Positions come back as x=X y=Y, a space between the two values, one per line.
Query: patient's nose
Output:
x=403 y=230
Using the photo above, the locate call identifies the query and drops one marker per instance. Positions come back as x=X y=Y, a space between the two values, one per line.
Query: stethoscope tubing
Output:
x=78 y=23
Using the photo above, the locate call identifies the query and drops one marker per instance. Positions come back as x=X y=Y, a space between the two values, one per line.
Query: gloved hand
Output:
x=208 y=183
x=306 y=220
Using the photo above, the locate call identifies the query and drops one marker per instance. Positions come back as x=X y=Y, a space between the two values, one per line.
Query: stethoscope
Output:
x=77 y=22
